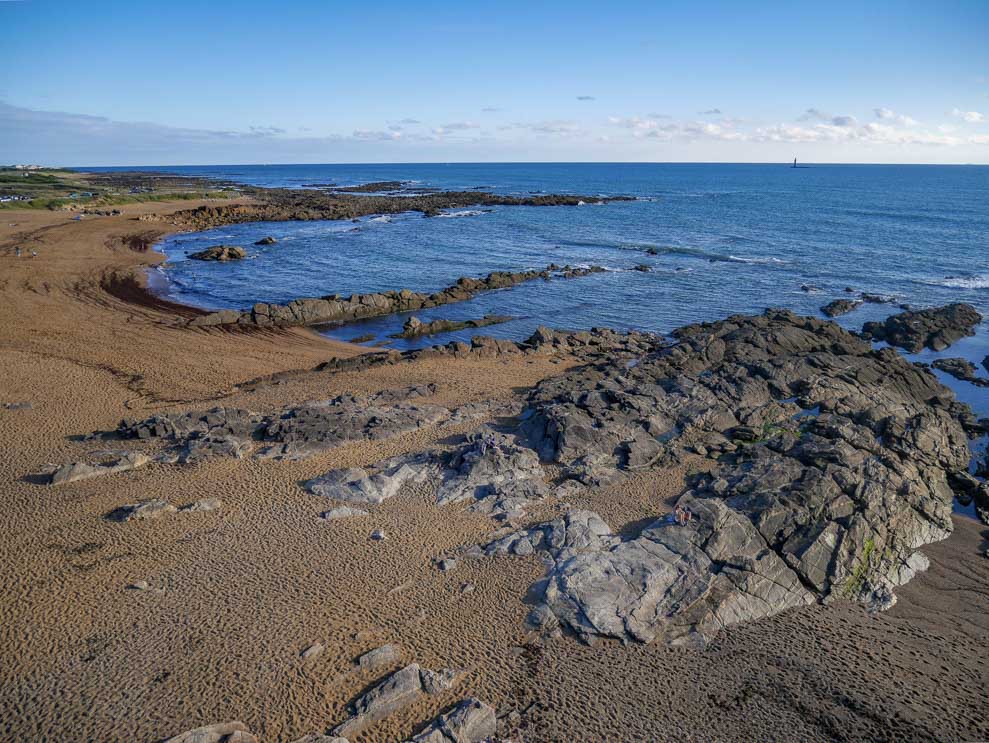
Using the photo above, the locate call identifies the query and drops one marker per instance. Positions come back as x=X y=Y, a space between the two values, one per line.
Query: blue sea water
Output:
x=728 y=238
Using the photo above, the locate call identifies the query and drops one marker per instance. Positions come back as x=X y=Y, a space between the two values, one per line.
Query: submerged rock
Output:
x=220 y=253
x=269 y=240
x=414 y=327
x=935 y=328
x=840 y=307
x=961 y=369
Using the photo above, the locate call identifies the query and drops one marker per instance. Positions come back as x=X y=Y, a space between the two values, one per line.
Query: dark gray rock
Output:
x=220 y=253
x=935 y=328
x=840 y=307
x=833 y=467
x=961 y=369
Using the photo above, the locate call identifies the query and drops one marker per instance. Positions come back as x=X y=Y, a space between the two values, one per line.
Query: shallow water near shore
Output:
x=718 y=239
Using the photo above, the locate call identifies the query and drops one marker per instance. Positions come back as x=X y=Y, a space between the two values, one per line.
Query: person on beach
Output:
x=17 y=252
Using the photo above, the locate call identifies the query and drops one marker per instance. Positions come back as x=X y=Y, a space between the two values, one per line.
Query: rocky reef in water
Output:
x=282 y=205
x=335 y=309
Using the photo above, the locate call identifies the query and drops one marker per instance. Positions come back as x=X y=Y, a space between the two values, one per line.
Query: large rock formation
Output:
x=335 y=309
x=470 y=721
x=935 y=328
x=832 y=469
x=414 y=327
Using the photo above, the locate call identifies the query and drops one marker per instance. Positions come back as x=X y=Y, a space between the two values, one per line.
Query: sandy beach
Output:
x=235 y=595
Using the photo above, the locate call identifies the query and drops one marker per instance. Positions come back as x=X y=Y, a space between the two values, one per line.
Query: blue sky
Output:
x=242 y=82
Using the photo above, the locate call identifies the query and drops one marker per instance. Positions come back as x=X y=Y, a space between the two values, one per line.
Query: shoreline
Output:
x=235 y=596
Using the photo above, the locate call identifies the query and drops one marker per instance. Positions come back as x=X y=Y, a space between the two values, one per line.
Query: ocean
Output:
x=718 y=239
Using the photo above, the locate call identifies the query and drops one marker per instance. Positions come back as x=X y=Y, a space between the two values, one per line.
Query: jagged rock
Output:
x=382 y=657
x=436 y=682
x=269 y=240
x=223 y=732
x=838 y=472
x=840 y=307
x=376 y=484
x=220 y=253
x=447 y=564
x=935 y=328
x=961 y=369
x=470 y=721
x=494 y=472
x=414 y=327
x=643 y=267
x=85 y=470
x=572 y=533
x=146 y=509
x=204 y=504
x=293 y=433
x=343 y=512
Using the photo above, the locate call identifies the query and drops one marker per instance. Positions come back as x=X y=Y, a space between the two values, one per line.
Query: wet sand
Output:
x=236 y=594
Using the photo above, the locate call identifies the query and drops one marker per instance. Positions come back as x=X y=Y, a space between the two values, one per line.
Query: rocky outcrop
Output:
x=833 y=465
x=494 y=473
x=335 y=309
x=840 y=307
x=220 y=253
x=935 y=328
x=293 y=433
x=470 y=721
x=414 y=327
x=396 y=691
x=269 y=240
x=961 y=369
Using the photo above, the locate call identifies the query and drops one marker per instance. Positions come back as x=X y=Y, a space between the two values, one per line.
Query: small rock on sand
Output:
x=381 y=657
x=206 y=504
x=343 y=512
x=378 y=535
x=146 y=509
x=447 y=564
x=313 y=650
x=139 y=585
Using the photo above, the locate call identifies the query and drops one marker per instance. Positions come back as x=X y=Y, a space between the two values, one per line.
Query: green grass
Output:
x=53 y=189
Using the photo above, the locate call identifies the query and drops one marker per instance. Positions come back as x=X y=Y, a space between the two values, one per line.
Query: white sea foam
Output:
x=738 y=259
x=979 y=281
x=385 y=218
x=464 y=213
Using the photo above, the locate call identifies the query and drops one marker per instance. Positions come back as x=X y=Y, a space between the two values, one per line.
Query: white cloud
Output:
x=380 y=136
x=969 y=117
x=586 y=98
x=886 y=114
x=711 y=112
